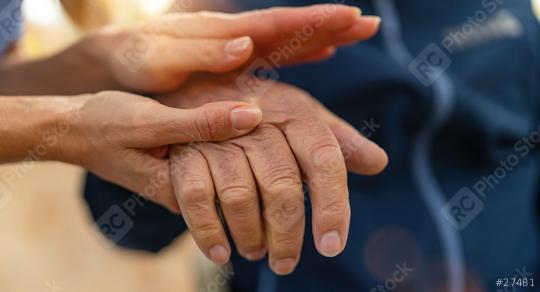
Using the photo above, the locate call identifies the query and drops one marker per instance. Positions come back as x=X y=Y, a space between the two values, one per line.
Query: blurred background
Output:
x=49 y=241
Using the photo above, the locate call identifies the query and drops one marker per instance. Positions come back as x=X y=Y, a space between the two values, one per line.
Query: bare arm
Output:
x=78 y=69
x=112 y=134
x=159 y=55
x=25 y=123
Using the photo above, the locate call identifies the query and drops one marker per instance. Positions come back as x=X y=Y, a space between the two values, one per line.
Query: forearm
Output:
x=81 y=68
x=37 y=128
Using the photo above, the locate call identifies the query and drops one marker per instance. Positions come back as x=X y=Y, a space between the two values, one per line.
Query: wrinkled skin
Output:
x=298 y=139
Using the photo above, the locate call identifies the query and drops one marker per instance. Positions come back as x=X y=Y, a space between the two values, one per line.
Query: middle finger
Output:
x=238 y=197
x=279 y=181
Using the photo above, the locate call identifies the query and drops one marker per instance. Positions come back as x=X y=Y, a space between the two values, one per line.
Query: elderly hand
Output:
x=298 y=138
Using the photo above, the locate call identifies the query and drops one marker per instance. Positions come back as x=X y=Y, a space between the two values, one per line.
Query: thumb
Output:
x=215 y=121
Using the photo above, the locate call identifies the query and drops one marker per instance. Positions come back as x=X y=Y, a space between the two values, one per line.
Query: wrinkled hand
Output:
x=113 y=132
x=159 y=55
x=298 y=138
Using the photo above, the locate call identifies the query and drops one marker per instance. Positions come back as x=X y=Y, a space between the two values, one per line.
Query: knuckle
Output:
x=196 y=204
x=195 y=195
x=206 y=125
x=281 y=178
x=228 y=159
x=284 y=213
x=265 y=133
x=290 y=102
x=206 y=230
x=268 y=129
x=332 y=211
x=207 y=55
x=285 y=244
x=274 y=19
x=287 y=206
x=194 y=184
x=239 y=199
x=327 y=159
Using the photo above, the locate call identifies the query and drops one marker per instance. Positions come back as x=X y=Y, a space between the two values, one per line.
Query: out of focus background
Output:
x=48 y=241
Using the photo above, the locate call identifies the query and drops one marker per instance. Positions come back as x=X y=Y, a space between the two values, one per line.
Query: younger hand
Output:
x=158 y=56
x=115 y=131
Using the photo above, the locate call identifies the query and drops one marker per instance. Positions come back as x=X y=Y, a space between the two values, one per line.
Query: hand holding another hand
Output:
x=297 y=140
x=114 y=133
x=125 y=138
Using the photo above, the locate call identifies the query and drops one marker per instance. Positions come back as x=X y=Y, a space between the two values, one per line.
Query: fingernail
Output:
x=375 y=19
x=238 y=46
x=245 y=117
x=330 y=245
x=256 y=255
x=283 y=267
x=358 y=11
x=219 y=254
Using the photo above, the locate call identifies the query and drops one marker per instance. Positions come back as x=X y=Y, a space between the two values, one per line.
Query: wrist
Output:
x=57 y=134
x=64 y=130
x=99 y=48
x=93 y=58
x=80 y=68
x=38 y=128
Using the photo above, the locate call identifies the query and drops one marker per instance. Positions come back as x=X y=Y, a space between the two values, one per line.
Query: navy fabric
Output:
x=495 y=81
x=10 y=22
